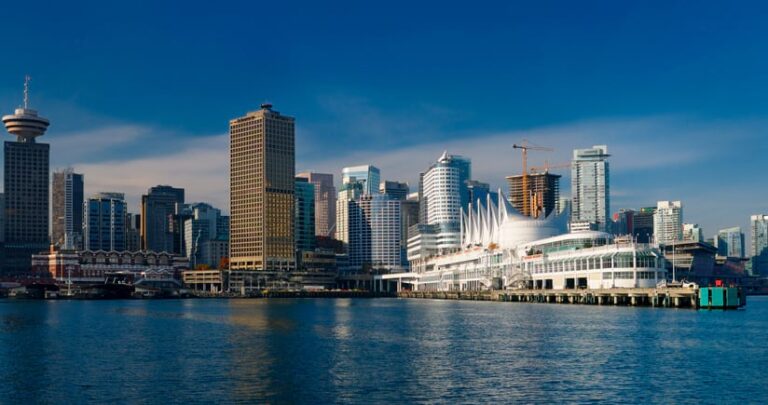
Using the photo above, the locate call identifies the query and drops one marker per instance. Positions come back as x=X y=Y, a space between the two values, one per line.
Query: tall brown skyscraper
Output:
x=261 y=179
x=325 y=202
x=544 y=193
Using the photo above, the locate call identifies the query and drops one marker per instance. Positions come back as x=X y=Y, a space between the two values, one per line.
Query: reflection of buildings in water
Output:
x=23 y=332
x=343 y=367
x=255 y=350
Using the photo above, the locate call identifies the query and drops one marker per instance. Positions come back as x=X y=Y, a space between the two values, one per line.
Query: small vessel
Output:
x=117 y=285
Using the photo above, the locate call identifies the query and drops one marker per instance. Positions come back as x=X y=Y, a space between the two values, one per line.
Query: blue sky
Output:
x=140 y=93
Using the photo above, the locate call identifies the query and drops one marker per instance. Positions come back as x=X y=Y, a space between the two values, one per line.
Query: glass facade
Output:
x=367 y=175
x=759 y=245
x=104 y=222
x=590 y=186
x=730 y=242
x=305 y=215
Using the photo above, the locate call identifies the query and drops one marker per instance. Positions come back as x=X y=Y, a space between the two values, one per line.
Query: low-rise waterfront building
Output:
x=93 y=266
x=211 y=281
x=502 y=249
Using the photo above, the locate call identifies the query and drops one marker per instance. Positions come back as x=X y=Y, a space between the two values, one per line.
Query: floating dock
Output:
x=651 y=297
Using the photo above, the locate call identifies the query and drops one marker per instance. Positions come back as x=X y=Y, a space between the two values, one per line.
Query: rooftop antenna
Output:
x=26 y=91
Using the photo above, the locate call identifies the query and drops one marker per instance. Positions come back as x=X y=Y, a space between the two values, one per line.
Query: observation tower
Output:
x=26 y=187
x=24 y=122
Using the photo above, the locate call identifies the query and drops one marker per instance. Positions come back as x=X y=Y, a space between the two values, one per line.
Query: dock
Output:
x=648 y=297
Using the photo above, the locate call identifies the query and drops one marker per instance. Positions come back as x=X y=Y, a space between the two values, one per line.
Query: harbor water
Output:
x=377 y=351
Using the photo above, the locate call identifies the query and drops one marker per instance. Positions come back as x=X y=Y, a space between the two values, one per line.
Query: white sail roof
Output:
x=502 y=225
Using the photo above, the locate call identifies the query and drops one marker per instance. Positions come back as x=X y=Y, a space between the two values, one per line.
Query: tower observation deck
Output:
x=24 y=122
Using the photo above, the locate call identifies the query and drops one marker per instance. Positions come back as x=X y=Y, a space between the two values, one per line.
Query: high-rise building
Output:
x=479 y=192
x=758 y=249
x=693 y=232
x=201 y=226
x=104 y=226
x=409 y=212
x=590 y=186
x=374 y=233
x=26 y=188
x=325 y=202
x=543 y=193
x=132 y=232
x=367 y=175
x=158 y=208
x=305 y=215
x=176 y=223
x=2 y=225
x=222 y=226
x=345 y=204
x=394 y=189
x=262 y=179
x=668 y=222
x=730 y=242
x=642 y=227
x=67 y=208
x=443 y=193
x=623 y=222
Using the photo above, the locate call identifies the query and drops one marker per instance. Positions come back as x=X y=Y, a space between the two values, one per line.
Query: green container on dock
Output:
x=718 y=297
x=704 y=297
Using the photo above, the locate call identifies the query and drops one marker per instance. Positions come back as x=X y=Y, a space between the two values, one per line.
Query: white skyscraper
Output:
x=444 y=195
x=370 y=228
x=382 y=213
x=668 y=222
x=590 y=186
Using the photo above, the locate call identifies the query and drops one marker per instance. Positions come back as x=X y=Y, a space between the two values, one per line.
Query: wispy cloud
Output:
x=200 y=166
x=652 y=158
x=635 y=145
x=98 y=144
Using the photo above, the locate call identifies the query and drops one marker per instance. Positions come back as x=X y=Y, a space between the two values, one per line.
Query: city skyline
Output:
x=663 y=113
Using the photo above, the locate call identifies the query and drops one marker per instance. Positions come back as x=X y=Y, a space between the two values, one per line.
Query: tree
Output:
x=224 y=263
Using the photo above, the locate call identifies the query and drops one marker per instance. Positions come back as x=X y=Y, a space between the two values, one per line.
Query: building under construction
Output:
x=543 y=194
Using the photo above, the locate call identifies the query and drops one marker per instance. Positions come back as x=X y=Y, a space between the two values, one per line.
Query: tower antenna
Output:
x=26 y=91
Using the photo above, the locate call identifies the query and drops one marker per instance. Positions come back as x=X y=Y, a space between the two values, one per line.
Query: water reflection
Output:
x=381 y=350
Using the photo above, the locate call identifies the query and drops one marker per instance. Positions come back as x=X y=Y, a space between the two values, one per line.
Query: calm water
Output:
x=380 y=350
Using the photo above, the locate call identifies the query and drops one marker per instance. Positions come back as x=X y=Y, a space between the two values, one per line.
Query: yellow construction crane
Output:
x=525 y=147
x=547 y=166
x=537 y=195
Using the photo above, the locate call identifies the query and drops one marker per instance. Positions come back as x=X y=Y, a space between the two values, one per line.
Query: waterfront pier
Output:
x=651 y=297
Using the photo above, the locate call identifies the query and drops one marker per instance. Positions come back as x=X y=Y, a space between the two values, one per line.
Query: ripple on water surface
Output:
x=377 y=350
